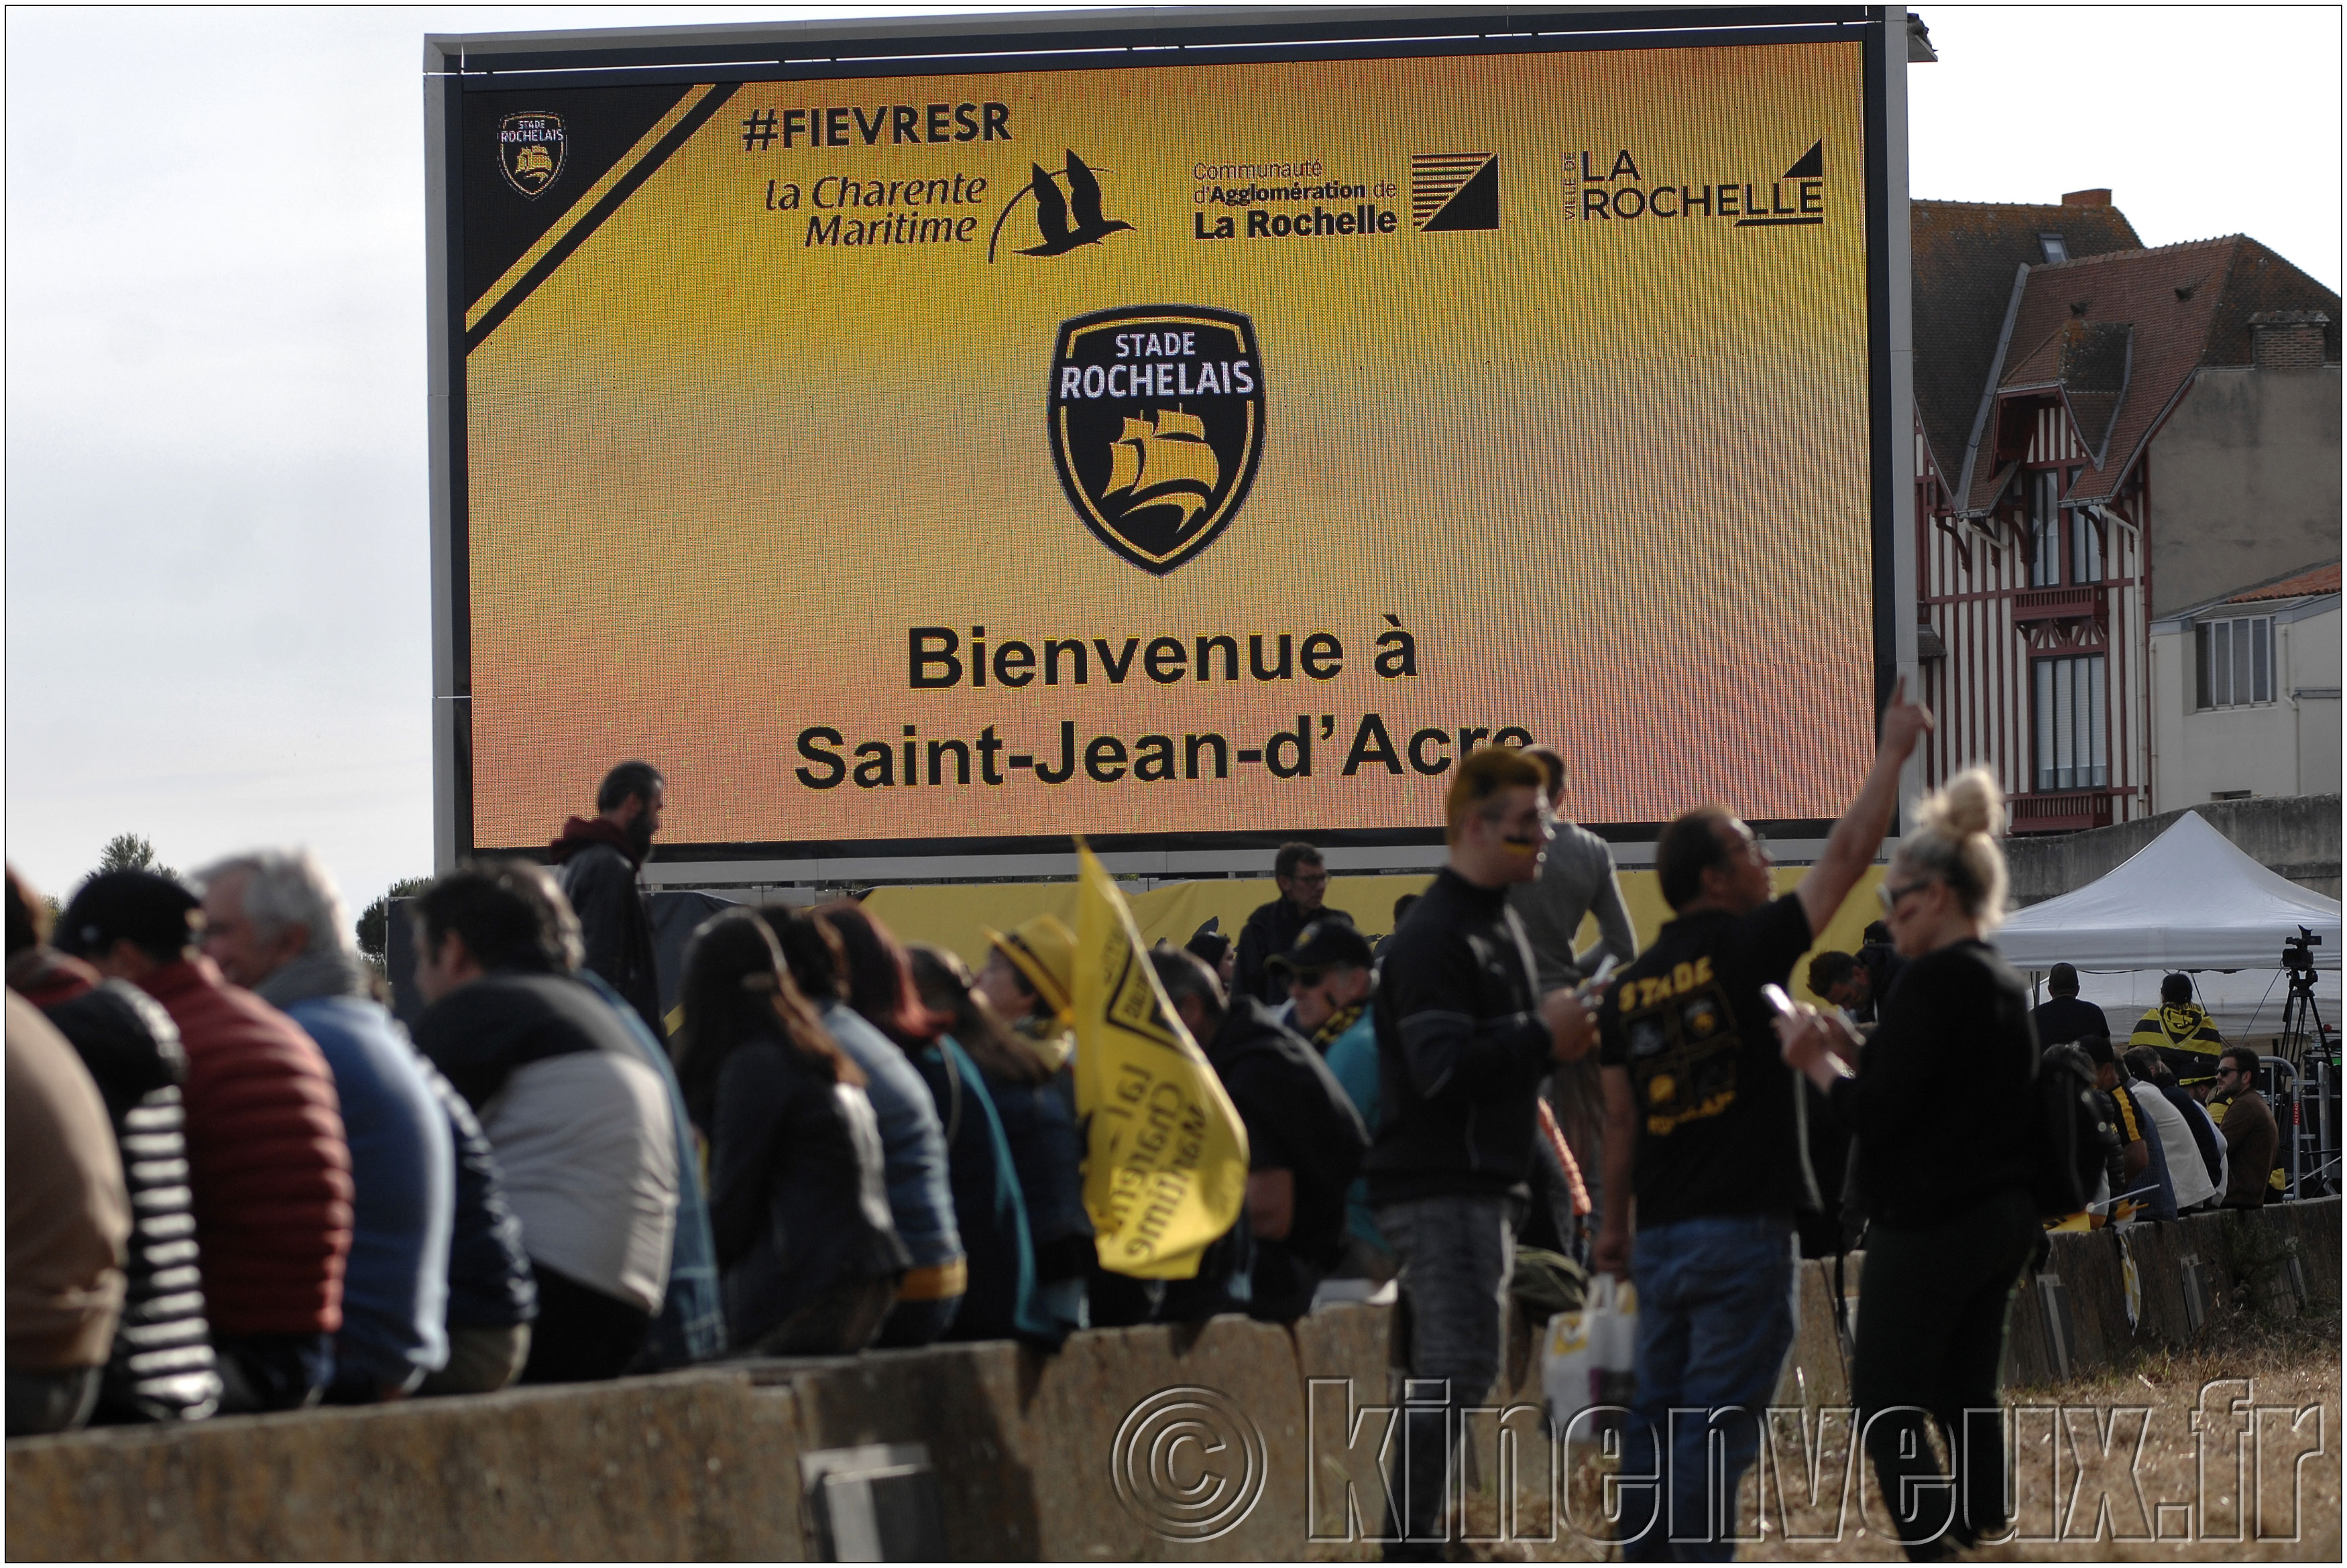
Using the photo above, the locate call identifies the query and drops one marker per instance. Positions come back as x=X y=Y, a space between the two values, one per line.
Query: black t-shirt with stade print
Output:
x=1721 y=1120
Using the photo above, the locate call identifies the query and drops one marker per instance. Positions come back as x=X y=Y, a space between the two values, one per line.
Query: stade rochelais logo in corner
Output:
x=1157 y=417
x=531 y=149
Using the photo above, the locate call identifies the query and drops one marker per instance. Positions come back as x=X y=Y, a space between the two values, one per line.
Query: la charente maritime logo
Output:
x=531 y=149
x=1157 y=418
x=1062 y=223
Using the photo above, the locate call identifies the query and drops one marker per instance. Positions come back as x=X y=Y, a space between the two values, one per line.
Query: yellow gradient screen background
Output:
x=1611 y=476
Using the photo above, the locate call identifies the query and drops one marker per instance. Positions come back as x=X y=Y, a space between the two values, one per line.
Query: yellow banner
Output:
x=1166 y=1157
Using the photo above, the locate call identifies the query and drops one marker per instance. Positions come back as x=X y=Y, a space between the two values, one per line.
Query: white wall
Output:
x=2286 y=747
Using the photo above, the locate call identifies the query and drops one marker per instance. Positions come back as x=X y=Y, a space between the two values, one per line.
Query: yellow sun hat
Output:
x=1044 y=950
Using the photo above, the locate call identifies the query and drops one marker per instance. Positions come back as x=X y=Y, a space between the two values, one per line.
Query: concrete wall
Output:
x=704 y=1465
x=2285 y=747
x=2296 y=837
x=2244 y=483
x=2190 y=1275
x=689 y=1466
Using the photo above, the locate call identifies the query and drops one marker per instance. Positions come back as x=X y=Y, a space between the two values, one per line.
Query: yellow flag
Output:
x=1166 y=1155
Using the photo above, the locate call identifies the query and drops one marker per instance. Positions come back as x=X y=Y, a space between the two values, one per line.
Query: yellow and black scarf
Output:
x=2188 y=1028
x=1344 y=1018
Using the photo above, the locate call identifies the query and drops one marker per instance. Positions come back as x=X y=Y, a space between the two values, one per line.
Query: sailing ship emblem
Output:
x=1164 y=463
x=530 y=151
x=1157 y=420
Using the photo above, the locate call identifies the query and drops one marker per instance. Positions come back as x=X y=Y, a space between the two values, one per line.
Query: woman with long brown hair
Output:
x=798 y=1199
x=912 y=1139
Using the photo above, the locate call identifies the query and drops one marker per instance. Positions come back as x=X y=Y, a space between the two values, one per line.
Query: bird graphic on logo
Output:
x=1052 y=210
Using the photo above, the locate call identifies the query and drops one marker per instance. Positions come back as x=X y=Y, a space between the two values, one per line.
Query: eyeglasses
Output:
x=1890 y=895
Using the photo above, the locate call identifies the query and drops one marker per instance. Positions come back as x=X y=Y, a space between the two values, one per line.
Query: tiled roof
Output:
x=2131 y=327
x=2322 y=580
x=1965 y=254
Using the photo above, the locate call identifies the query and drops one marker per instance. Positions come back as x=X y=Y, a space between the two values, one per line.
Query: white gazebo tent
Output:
x=2187 y=900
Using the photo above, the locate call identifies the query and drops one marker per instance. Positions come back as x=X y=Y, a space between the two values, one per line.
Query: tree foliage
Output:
x=374 y=921
x=131 y=853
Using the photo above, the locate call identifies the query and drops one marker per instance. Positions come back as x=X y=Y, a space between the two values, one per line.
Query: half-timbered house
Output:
x=2054 y=360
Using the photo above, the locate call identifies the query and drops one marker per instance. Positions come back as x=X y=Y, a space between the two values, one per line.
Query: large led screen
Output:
x=1168 y=448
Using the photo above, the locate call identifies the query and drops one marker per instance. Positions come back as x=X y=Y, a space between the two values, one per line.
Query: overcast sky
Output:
x=219 y=629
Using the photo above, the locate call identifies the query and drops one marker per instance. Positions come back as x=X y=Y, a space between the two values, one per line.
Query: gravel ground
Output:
x=2136 y=1505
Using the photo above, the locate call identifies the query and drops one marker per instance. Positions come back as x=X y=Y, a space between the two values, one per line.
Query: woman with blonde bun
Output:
x=1937 y=1105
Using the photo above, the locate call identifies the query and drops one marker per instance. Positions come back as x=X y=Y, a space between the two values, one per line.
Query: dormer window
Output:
x=2066 y=545
x=2053 y=248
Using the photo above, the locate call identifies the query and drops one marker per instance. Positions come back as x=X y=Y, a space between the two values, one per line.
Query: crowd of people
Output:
x=237 y=1183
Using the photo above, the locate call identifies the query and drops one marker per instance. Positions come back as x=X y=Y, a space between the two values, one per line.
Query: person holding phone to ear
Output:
x=1944 y=1167
x=1706 y=1142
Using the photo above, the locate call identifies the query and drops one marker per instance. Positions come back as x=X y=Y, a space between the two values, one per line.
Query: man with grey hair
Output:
x=274 y=923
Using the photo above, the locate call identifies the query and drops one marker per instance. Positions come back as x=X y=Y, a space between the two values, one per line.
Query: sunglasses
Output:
x=1890 y=895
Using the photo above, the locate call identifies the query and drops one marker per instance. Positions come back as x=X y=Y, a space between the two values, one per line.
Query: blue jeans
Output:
x=1457 y=1254
x=260 y=1372
x=1717 y=1307
x=912 y=1324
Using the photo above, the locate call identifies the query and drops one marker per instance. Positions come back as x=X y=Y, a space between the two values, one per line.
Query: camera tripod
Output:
x=2310 y=1048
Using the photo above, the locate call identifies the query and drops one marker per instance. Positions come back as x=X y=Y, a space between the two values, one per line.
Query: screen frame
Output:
x=1167 y=38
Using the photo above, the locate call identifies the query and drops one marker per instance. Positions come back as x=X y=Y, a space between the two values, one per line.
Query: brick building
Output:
x=2104 y=434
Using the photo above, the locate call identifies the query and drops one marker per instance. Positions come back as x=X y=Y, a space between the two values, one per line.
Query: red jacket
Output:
x=269 y=1172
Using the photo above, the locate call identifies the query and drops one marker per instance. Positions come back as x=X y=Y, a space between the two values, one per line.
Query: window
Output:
x=2052 y=248
x=2053 y=533
x=2045 y=528
x=2235 y=660
x=2085 y=547
x=2073 y=749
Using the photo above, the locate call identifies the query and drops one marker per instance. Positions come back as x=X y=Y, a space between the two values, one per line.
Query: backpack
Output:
x=2067 y=1153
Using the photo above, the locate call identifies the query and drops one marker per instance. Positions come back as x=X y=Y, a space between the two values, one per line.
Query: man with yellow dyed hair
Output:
x=1464 y=1037
x=2182 y=1031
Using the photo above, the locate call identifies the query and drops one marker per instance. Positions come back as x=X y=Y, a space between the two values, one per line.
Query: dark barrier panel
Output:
x=1029 y=1452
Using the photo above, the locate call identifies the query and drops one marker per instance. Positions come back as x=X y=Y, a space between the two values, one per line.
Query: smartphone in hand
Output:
x=1591 y=988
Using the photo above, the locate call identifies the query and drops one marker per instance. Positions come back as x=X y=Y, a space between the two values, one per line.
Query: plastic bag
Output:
x=1590 y=1357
